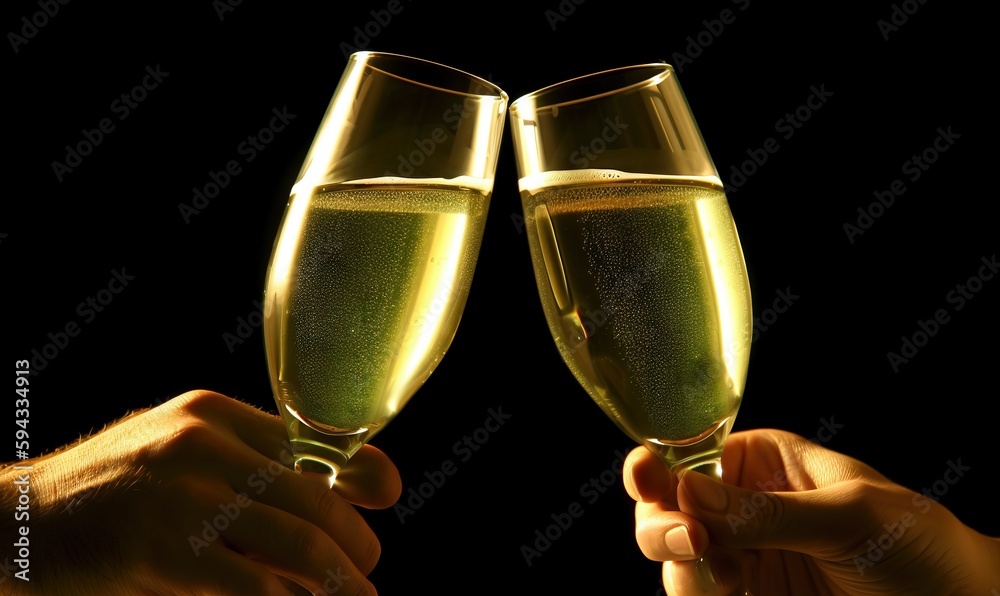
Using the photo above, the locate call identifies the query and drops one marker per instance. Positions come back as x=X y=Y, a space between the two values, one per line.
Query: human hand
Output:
x=191 y=497
x=804 y=520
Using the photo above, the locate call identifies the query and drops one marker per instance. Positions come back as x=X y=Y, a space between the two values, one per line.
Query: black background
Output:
x=821 y=362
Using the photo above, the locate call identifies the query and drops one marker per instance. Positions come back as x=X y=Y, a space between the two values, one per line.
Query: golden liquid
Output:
x=364 y=294
x=645 y=291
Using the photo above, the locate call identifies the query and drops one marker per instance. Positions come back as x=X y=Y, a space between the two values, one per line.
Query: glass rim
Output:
x=660 y=71
x=431 y=65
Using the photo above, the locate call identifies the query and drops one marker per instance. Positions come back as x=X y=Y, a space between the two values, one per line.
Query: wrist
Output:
x=40 y=545
x=17 y=501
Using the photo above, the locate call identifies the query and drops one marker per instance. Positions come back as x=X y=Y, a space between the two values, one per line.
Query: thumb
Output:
x=812 y=521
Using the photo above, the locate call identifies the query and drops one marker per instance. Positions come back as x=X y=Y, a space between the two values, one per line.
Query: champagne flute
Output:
x=636 y=256
x=372 y=265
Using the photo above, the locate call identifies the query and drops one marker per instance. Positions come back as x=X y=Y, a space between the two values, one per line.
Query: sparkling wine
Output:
x=364 y=295
x=645 y=290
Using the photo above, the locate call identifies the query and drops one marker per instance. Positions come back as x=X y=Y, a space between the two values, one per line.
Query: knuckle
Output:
x=195 y=433
x=862 y=498
x=189 y=441
x=200 y=401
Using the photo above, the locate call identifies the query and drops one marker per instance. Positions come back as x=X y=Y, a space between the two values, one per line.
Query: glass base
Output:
x=696 y=452
x=318 y=450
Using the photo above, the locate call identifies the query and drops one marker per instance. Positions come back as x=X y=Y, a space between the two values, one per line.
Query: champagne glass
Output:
x=371 y=268
x=636 y=256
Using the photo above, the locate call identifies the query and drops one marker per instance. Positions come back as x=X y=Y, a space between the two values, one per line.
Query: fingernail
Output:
x=707 y=492
x=679 y=542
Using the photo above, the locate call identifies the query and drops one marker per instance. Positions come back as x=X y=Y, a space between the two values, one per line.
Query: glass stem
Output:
x=709 y=467
x=319 y=467
x=713 y=468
